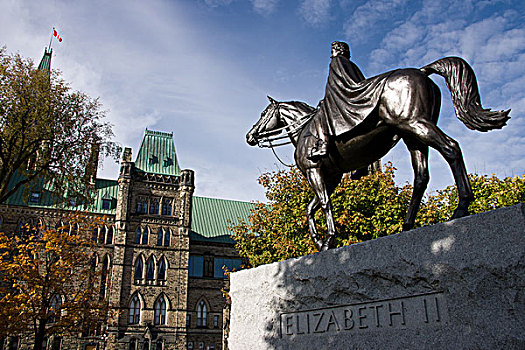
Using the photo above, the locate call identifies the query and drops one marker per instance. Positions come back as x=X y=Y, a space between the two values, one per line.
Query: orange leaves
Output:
x=38 y=265
x=365 y=209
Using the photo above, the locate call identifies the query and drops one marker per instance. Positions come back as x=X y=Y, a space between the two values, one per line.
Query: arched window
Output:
x=94 y=235
x=74 y=229
x=161 y=273
x=150 y=269
x=133 y=344
x=202 y=313
x=145 y=345
x=160 y=344
x=139 y=268
x=134 y=310
x=54 y=308
x=104 y=277
x=167 y=235
x=145 y=237
x=109 y=235
x=160 y=311
x=138 y=236
x=160 y=237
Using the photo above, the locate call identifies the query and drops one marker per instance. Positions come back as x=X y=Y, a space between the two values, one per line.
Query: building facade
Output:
x=162 y=253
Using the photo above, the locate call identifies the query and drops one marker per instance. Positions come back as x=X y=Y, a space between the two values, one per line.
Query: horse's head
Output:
x=268 y=122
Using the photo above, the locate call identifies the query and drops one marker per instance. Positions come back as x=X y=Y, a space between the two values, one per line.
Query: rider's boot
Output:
x=320 y=149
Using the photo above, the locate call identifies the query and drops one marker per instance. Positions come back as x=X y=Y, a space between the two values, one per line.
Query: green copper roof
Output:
x=45 y=62
x=39 y=195
x=211 y=218
x=157 y=154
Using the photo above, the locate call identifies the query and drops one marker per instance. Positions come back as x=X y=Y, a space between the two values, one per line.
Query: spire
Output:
x=45 y=62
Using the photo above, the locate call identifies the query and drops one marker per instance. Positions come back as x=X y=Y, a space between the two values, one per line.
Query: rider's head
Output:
x=340 y=48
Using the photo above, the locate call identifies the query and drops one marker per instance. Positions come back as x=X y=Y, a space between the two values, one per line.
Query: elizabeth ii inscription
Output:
x=456 y=285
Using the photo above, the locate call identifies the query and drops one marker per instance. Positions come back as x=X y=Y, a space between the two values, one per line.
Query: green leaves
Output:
x=364 y=209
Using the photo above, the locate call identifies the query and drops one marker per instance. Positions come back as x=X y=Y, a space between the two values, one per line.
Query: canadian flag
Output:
x=56 y=35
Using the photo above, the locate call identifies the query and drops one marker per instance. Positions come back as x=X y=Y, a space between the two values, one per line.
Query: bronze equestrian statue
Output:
x=361 y=120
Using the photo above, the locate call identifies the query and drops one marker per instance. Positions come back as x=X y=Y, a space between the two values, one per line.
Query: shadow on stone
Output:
x=459 y=284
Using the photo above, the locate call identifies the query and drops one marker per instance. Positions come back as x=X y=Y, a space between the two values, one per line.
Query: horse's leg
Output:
x=431 y=135
x=313 y=207
x=319 y=187
x=419 y=155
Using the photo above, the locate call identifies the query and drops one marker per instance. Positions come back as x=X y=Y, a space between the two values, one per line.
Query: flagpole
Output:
x=51 y=40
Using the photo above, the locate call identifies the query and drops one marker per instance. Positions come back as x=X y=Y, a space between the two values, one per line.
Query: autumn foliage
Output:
x=364 y=209
x=49 y=281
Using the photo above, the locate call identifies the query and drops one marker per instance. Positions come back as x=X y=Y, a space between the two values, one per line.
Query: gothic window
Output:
x=160 y=344
x=13 y=343
x=188 y=320
x=169 y=209
x=161 y=274
x=57 y=343
x=167 y=235
x=216 y=321
x=139 y=267
x=202 y=314
x=154 y=207
x=54 y=308
x=104 y=278
x=145 y=234
x=190 y=345
x=133 y=344
x=160 y=311
x=145 y=345
x=109 y=235
x=208 y=266
x=74 y=229
x=150 y=269
x=160 y=237
x=134 y=310
x=94 y=235
x=138 y=236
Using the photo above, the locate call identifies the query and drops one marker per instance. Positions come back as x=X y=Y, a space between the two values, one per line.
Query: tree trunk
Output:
x=40 y=335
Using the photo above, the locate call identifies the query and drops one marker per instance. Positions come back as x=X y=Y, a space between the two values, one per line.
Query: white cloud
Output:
x=315 y=12
x=264 y=7
x=364 y=20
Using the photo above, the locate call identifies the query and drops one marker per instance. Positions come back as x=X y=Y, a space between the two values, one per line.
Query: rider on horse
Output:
x=342 y=73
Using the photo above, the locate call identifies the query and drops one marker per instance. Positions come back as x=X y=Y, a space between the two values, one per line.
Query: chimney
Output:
x=92 y=166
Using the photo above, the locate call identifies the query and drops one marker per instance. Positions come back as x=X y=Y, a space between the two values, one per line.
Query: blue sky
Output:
x=202 y=69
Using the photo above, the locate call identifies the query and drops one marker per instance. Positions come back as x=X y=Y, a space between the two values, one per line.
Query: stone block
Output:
x=455 y=285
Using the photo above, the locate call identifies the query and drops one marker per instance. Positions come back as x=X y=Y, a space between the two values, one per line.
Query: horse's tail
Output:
x=463 y=86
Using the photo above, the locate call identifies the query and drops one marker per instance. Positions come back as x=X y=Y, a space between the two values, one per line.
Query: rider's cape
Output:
x=349 y=98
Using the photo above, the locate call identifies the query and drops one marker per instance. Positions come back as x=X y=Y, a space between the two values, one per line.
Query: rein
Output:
x=265 y=139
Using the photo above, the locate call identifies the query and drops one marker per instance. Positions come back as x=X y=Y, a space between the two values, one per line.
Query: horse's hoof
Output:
x=319 y=244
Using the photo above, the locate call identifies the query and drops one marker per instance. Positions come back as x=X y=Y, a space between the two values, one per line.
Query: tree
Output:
x=363 y=209
x=47 y=132
x=49 y=283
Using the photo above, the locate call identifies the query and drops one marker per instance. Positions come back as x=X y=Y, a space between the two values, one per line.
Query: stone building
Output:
x=162 y=249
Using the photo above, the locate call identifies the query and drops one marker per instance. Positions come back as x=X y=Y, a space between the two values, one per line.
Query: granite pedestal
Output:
x=455 y=285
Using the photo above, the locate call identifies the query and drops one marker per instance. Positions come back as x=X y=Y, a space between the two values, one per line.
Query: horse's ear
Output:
x=272 y=101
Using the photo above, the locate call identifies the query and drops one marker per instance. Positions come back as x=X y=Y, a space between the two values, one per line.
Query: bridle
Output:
x=266 y=139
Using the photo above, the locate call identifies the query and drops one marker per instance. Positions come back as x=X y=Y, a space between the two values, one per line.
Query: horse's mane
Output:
x=298 y=108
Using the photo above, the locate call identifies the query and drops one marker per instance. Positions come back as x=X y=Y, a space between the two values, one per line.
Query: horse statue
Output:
x=407 y=109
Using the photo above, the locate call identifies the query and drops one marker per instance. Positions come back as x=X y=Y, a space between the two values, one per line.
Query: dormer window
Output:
x=153 y=159
x=106 y=203
x=168 y=162
x=34 y=197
